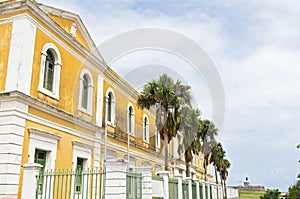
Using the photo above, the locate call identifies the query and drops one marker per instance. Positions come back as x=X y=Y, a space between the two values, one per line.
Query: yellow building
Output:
x=56 y=92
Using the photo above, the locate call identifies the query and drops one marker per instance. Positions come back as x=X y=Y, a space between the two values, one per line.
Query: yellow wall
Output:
x=69 y=79
x=5 y=32
x=66 y=24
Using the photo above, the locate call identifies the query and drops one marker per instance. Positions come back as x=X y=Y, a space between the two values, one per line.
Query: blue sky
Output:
x=255 y=47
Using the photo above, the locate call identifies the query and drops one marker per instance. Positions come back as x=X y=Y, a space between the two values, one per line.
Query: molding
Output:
x=34 y=9
x=44 y=134
x=82 y=145
x=38 y=104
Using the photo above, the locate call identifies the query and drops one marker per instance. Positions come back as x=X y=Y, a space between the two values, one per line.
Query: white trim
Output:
x=45 y=141
x=147 y=128
x=21 y=53
x=132 y=121
x=157 y=138
x=99 y=102
x=57 y=68
x=113 y=106
x=84 y=151
x=89 y=109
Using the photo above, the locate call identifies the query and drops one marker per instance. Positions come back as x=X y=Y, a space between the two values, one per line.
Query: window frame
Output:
x=146 y=137
x=130 y=119
x=90 y=92
x=157 y=138
x=113 y=107
x=56 y=71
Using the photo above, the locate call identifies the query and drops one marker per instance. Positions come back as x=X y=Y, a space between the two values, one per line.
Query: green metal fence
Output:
x=63 y=184
x=185 y=189
x=133 y=185
x=194 y=190
x=173 y=188
x=201 y=190
x=211 y=191
x=206 y=191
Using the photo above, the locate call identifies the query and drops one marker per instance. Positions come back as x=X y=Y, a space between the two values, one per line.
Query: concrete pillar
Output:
x=30 y=179
x=146 y=181
x=208 y=191
x=165 y=175
x=190 y=190
x=197 y=190
x=179 y=178
x=115 y=182
x=203 y=190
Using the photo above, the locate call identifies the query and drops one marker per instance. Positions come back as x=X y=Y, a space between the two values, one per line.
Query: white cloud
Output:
x=255 y=46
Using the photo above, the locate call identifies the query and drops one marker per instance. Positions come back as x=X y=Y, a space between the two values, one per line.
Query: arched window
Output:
x=110 y=106
x=145 y=129
x=130 y=120
x=50 y=71
x=109 y=101
x=157 y=138
x=86 y=92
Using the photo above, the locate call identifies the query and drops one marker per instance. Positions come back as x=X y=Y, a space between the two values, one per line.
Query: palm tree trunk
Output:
x=216 y=174
x=205 y=171
x=166 y=153
x=225 y=189
x=188 y=169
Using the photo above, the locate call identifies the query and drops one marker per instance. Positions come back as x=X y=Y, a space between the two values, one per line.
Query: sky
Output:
x=255 y=48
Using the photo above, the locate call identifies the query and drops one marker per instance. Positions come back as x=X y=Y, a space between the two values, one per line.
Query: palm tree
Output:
x=168 y=98
x=217 y=155
x=190 y=144
x=224 y=166
x=206 y=133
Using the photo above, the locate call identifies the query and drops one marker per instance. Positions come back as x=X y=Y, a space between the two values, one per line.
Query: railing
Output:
x=173 y=188
x=63 y=184
x=185 y=189
x=133 y=185
x=194 y=190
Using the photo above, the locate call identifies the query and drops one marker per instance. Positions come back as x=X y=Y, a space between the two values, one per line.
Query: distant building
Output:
x=248 y=187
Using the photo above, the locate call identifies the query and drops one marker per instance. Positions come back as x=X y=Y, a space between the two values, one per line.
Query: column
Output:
x=30 y=179
x=146 y=181
x=115 y=179
x=179 y=178
x=165 y=175
x=190 y=190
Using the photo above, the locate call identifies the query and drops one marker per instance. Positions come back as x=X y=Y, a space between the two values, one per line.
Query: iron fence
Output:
x=133 y=185
x=63 y=184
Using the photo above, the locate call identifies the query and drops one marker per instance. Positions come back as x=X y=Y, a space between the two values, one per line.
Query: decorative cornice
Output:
x=36 y=103
x=42 y=133
x=33 y=8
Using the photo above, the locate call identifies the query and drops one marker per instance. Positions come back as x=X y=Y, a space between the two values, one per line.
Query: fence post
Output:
x=179 y=178
x=203 y=190
x=190 y=190
x=146 y=181
x=197 y=190
x=115 y=187
x=30 y=178
x=165 y=175
x=208 y=191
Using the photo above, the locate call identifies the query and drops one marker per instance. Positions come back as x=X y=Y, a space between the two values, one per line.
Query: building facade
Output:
x=58 y=96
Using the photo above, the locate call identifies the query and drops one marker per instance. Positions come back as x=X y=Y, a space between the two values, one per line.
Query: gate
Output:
x=133 y=185
x=173 y=188
x=65 y=184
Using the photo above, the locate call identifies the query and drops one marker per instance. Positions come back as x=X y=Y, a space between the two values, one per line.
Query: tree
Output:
x=217 y=156
x=271 y=194
x=206 y=133
x=224 y=166
x=294 y=191
x=168 y=98
x=190 y=144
